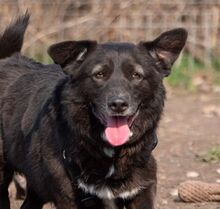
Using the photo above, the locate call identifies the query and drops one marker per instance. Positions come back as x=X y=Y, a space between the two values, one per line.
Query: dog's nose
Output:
x=118 y=105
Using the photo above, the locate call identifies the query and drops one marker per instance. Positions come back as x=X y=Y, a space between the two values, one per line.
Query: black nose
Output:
x=118 y=105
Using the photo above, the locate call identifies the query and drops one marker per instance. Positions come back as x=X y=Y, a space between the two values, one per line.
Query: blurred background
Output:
x=125 y=20
x=189 y=139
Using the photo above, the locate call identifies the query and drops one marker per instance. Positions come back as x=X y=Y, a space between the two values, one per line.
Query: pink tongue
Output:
x=117 y=131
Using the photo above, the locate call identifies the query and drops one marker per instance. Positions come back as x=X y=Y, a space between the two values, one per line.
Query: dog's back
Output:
x=21 y=81
x=12 y=64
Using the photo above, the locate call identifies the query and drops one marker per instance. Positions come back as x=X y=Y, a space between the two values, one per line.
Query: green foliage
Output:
x=216 y=64
x=213 y=155
x=187 y=68
x=43 y=59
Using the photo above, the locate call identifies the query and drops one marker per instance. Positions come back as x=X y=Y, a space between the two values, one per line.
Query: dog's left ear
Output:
x=67 y=52
x=166 y=48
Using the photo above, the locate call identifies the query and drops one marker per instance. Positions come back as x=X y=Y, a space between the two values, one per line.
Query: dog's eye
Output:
x=137 y=76
x=99 y=75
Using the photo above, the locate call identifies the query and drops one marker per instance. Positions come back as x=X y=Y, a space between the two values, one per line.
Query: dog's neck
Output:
x=107 y=163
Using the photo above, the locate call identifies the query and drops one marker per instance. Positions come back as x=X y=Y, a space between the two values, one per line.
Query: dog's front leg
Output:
x=64 y=202
x=66 y=205
x=32 y=201
x=144 y=200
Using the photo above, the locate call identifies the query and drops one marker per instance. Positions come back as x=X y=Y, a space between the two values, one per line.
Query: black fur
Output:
x=54 y=122
x=12 y=38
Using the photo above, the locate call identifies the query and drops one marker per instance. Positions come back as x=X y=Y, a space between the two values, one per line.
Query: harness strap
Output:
x=86 y=199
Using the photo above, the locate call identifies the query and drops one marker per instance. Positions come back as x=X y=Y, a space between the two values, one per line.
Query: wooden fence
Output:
x=125 y=20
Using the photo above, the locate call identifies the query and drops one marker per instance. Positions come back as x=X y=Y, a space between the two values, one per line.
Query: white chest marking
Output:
x=130 y=194
x=110 y=172
x=106 y=193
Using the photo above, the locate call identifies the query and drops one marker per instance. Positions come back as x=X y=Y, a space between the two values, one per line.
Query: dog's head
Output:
x=122 y=82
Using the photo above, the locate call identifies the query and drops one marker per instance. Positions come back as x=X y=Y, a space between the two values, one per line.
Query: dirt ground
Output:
x=190 y=127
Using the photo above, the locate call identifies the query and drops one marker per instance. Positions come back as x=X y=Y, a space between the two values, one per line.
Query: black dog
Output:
x=83 y=138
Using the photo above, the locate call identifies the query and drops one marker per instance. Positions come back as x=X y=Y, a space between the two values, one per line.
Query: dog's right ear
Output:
x=68 y=52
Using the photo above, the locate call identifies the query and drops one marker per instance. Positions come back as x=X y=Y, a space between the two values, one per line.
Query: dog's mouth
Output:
x=117 y=131
x=117 y=128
